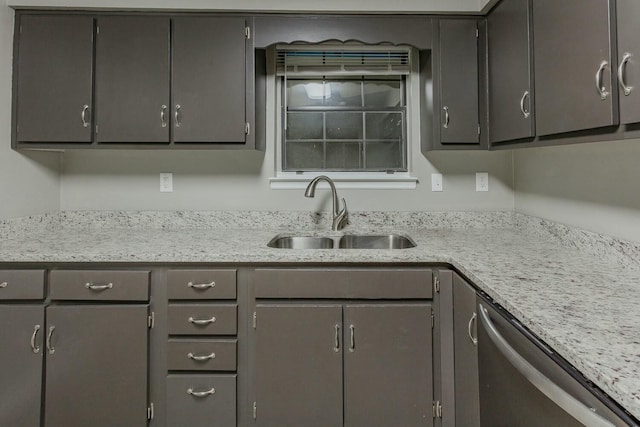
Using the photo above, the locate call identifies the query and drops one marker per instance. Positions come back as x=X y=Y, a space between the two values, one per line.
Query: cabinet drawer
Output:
x=201 y=284
x=21 y=284
x=201 y=400
x=102 y=285
x=203 y=319
x=374 y=283
x=201 y=355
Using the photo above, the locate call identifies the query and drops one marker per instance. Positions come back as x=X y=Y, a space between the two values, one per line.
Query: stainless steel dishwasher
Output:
x=523 y=383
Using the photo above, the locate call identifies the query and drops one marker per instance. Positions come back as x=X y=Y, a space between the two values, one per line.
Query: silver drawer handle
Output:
x=50 y=348
x=83 y=116
x=525 y=113
x=34 y=336
x=178 y=116
x=163 y=116
x=473 y=339
x=599 y=84
x=621 y=69
x=446 y=117
x=201 y=393
x=201 y=321
x=352 y=340
x=562 y=398
x=201 y=358
x=93 y=287
x=201 y=285
x=4 y=285
x=336 y=347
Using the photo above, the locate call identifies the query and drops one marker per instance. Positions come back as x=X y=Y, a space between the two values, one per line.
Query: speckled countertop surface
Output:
x=583 y=303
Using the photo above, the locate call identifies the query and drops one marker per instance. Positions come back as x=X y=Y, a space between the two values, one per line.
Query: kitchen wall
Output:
x=29 y=183
x=591 y=186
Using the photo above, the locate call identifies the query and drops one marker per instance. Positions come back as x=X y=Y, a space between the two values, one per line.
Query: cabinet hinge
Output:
x=433 y=320
x=20 y=28
x=255 y=319
x=247 y=128
x=437 y=409
x=478 y=128
x=150 y=412
x=97 y=29
x=247 y=32
x=255 y=411
x=96 y=129
x=436 y=284
x=151 y=320
x=477 y=33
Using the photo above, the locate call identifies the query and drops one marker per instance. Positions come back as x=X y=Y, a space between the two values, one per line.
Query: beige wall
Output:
x=29 y=184
x=590 y=186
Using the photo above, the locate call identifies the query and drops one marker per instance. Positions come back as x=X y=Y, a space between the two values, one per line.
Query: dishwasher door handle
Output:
x=564 y=400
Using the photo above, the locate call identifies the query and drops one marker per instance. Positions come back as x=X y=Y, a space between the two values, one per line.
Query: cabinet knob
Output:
x=4 y=285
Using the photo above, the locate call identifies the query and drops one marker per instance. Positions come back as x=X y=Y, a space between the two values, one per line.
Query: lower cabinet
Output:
x=201 y=400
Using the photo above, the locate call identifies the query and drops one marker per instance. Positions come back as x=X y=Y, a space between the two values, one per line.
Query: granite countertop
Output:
x=581 y=299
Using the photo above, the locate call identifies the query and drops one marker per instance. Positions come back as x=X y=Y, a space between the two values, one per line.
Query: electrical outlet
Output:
x=436 y=182
x=166 y=182
x=482 y=181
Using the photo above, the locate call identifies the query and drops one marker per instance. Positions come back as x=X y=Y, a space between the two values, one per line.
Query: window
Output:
x=343 y=111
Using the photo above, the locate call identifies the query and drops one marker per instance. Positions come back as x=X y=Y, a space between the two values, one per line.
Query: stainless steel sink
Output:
x=348 y=241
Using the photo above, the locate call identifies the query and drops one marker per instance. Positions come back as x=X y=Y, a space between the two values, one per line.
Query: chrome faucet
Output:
x=340 y=216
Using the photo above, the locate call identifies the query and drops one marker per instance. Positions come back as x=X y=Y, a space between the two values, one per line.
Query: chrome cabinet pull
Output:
x=93 y=287
x=336 y=347
x=201 y=358
x=473 y=339
x=621 y=69
x=163 y=116
x=599 y=76
x=201 y=321
x=525 y=113
x=178 y=116
x=34 y=336
x=201 y=285
x=4 y=285
x=50 y=348
x=201 y=393
x=352 y=340
x=564 y=400
x=446 y=117
x=83 y=116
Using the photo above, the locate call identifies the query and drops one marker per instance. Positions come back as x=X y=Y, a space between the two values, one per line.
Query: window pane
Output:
x=344 y=155
x=303 y=155
x=384 y=93
x=304 y=93
x=344 y=94
x=384 y=155
x=304 y=126
x=384 y=125
x=341 y=125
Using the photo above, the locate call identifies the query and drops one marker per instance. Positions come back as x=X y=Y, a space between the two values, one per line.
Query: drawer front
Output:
x=102 y=285
x=347 y=283
x=202 y=355
x=201 y=400
x=203 y=319
x=21 y=284
x=201 y=284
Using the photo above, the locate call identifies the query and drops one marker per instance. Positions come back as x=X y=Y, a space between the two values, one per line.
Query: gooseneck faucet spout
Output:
x=340 y=216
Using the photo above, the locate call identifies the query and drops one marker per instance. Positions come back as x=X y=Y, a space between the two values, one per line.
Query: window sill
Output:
x=369 y=181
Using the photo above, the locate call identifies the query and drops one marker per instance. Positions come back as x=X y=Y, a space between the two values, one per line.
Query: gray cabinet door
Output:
x=629 y=60
x=54 y=79
x=465 y=354
x=21 y=332
x=510 y=71
x=572 y=42
x=132 y=79
x=458 y=111
x=208 y=79
x=388 y=365
x=298 y=365
x=96 y=366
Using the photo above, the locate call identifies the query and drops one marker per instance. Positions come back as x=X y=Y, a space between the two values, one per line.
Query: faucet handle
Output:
x=343 y=215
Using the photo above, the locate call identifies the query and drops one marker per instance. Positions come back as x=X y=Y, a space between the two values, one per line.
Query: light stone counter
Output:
x=582 y=301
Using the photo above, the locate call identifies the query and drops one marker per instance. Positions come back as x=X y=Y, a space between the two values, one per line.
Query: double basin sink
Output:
x=347 y=241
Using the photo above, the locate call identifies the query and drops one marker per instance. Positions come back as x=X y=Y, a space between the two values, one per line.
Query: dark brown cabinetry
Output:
x=511 y=94
x=54 y=79
x=574 y=68
x=628 y=70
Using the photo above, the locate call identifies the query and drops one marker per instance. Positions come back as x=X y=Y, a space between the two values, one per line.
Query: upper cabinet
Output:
x=511 y=94
x=53 y=99
x=629 y=60
x=574 y=65
x=159 y=81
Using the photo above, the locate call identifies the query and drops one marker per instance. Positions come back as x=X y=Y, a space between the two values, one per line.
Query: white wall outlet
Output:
x=482 y=181
x=166 y=182
x=436 y=182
